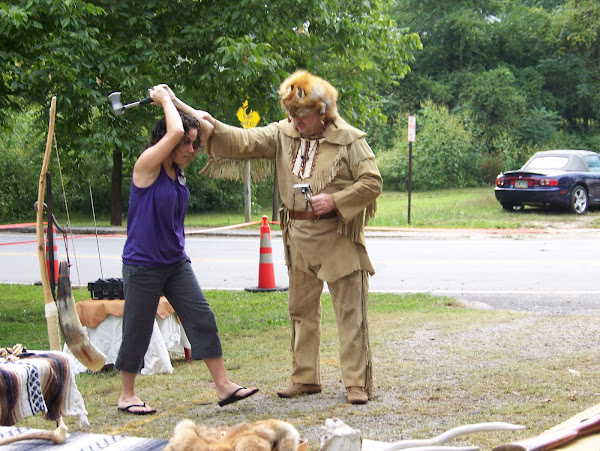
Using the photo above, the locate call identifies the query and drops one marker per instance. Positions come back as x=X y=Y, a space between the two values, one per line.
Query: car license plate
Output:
x=521 y=184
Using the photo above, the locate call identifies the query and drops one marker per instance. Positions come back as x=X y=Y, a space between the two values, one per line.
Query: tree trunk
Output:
x=116 y=218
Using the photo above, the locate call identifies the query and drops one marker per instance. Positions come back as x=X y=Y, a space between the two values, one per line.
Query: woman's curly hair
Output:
x=160 y=129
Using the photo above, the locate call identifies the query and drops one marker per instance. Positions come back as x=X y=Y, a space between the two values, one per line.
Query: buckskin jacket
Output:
x=344 y=167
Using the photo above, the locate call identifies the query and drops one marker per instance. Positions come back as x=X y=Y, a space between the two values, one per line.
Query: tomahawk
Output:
x=119 y=108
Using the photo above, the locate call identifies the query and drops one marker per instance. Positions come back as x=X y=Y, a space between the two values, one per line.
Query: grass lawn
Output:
x=437 y=365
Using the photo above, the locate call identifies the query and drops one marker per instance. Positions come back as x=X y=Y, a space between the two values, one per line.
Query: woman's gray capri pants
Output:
x=143 y=288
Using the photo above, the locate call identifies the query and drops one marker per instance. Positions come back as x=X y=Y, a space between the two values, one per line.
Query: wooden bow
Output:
x=61 y=313
x=51 y=310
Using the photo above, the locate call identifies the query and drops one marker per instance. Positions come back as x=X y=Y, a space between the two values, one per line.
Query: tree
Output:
x=214 y=54
x=457 y=40
x=495 y=101
x=444 y=154
x=525 y=69
x=573 y=70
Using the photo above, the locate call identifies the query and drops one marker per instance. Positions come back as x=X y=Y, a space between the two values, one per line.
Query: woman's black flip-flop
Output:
x=138 y=412
x=234 y=397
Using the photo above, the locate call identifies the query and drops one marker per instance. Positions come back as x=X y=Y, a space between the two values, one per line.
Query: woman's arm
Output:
x=147 y=167
x=207 y=122
x=233 y=142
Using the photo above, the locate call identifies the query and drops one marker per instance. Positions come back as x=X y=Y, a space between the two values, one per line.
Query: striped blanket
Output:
x=81 y=441
x=39 y=382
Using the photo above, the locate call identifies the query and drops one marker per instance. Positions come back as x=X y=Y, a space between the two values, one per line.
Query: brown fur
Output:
x=264 y=435
x=302 y=92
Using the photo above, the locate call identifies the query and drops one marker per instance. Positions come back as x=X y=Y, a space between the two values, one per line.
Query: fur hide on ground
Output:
x=264 y=435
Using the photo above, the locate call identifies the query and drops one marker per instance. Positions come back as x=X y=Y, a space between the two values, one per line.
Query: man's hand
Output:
x=322 y=203
x=206 y=126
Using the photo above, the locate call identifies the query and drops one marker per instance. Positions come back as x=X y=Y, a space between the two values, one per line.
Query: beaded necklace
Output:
x=306 y=155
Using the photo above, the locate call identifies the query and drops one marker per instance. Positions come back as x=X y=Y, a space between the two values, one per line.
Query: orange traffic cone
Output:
x=266 y=269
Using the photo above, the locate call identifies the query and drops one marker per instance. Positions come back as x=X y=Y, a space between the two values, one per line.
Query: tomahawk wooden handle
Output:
x=554 y=439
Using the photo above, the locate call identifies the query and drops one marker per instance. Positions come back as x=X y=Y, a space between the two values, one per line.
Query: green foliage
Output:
x=494 y=100
x=456 y=35
x=572 y=71
x=519 y=75
x=18 y=190
x=215 y=55
x=520 y=68
x=539 y=126
x=443 y=154
x=511 y=154
x=19 y=155
x=212 y=194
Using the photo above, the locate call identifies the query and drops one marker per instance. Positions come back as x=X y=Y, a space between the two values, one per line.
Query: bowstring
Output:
x=68 y=229
x=96 y=230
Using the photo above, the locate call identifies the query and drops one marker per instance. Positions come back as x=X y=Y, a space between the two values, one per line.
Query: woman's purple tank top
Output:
x=155 y=231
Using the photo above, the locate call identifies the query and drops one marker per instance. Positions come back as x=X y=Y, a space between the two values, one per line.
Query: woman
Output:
x=155 y=262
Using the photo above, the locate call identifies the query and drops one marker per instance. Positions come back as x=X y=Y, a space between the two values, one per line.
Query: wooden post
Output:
x=409 y=177
x=247 y=192
x=248 y=120
x=412 y=129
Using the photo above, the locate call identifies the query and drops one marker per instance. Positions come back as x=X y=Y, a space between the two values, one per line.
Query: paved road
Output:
x=546 y=272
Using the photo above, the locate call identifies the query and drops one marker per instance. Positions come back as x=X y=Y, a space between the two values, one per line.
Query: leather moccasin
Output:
x=297 y=389
x=356 y=395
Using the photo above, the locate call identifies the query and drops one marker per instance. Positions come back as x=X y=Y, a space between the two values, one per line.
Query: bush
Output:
x=19 y=188
x=491 y=167
x=444 y=154
x=21 y=151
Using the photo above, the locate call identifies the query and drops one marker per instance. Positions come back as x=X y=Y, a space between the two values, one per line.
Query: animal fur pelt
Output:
x=264 y=435
x=302 y=92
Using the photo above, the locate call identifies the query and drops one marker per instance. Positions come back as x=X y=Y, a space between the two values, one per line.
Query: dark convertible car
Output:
x=553 y=178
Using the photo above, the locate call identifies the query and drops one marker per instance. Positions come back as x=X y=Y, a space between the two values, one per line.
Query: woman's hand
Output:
x=170 y=91
x=207 y=122
x=159 y=94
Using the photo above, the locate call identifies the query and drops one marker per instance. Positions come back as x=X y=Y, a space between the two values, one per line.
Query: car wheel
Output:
x=579 y=200
x=511 y=207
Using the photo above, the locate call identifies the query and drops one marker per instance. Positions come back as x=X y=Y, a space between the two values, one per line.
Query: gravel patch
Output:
x=442 y=370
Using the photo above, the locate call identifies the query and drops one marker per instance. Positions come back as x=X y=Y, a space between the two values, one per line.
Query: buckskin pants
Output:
x=349 y=297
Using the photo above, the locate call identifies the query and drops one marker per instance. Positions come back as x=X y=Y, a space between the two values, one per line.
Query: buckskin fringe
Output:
x=320 y=179
x=354 y=228
x=284 y=220
x=365 y=330
x=220 y=168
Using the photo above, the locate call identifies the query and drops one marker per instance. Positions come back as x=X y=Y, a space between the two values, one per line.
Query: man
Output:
x=328 y=183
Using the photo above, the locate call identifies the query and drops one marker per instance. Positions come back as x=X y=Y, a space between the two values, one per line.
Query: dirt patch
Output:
x=444 y=370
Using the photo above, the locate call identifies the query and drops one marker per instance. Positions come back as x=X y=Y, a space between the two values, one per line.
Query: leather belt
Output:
x=309 y=215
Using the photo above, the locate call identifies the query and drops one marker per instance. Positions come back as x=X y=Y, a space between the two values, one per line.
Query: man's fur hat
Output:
x=302 y=93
